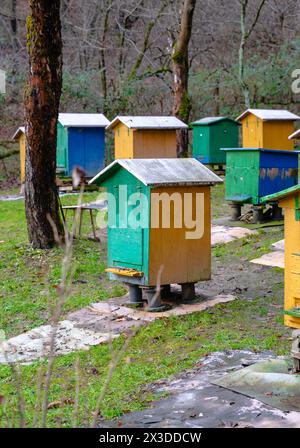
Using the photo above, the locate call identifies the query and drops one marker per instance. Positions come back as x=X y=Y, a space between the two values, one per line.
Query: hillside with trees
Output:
x=118 y=56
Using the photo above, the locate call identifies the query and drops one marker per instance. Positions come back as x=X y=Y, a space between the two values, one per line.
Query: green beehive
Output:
x=252 y=173
x=148 y=237
x=210 y=135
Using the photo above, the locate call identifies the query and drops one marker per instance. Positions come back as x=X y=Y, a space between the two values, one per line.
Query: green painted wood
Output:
x=209 y=138
x=242 y=175
x=61 y=148
x=297 y=208
x=127 y=247
x=201 y=143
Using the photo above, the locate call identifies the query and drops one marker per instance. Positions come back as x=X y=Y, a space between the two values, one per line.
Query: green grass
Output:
x=161 y=349
x=9 y=167
x=29 y=277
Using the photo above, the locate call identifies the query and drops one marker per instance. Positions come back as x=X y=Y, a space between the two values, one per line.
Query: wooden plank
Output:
x=125 y=272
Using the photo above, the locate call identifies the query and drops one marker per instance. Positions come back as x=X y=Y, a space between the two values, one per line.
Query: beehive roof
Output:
x=270 y=115
x=282 y=194
x=295 y=135
x=148 y=122
x=155 y=172
x=211 y=120
x=83 y=120
x=19 y=131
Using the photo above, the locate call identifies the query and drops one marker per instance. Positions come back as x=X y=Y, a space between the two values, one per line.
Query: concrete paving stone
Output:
x=92 y=325
x=104 y=307
x=272 y=259
x=25 y=348
x=226 y=234
x=279 y=245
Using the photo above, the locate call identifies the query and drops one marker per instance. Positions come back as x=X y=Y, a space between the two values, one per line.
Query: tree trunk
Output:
x=42 y=98
x=217 y=97
x=245 y=35
x=244 y=85
x=14 y=24
x=180 y=60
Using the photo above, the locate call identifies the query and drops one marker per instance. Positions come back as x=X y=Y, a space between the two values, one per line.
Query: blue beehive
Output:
x=81 y=142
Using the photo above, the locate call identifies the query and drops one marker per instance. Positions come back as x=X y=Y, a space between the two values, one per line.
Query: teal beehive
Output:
x=209 y=136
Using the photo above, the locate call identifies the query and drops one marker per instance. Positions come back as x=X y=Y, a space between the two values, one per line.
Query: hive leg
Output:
x=258 y=215
x=276 y=212
x=165 y=292
x=188 y=292
x=236 y=211
x=153 y=298
x=135 y=296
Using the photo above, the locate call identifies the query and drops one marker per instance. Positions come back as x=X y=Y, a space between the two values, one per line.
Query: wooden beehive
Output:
x=252 y=173
x=289 y=200
x=80 y=142
x=136 y=255
x=210 y=134
x=267 y=128
x=145 y=137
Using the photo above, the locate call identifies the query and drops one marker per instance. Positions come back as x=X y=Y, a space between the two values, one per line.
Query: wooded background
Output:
x=118 y=56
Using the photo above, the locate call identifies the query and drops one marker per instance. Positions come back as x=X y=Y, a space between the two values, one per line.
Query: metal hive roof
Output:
x=155 y=172
x=270 y=114
x=148 y=122
x=20 y=130
x=212 y=120
x=83 y=120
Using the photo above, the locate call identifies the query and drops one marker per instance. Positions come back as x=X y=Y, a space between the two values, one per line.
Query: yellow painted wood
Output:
x=22 y=143
x=123 y=142
x=125 y=272
x=183 y=260
x=152 y=144
x=144 y=143
x=252 y=132
x=267 y=134
x=276 y=135
x=292 y=259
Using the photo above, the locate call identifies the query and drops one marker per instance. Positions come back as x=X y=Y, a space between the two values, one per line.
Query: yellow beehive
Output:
x=21 y=138
x=145 y=137
x=267 y=128
x=289 y=200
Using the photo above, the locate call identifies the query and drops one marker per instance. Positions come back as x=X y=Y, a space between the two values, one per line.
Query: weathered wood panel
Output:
x=154 y=144
x=184 y=260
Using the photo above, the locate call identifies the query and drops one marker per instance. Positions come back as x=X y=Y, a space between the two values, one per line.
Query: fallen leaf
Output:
x=59 y=403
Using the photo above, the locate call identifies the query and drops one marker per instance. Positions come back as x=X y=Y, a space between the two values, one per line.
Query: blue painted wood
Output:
x=278 y=171
x=86 y=148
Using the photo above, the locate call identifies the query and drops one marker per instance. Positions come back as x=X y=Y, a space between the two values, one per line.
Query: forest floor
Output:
x=165 y=347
